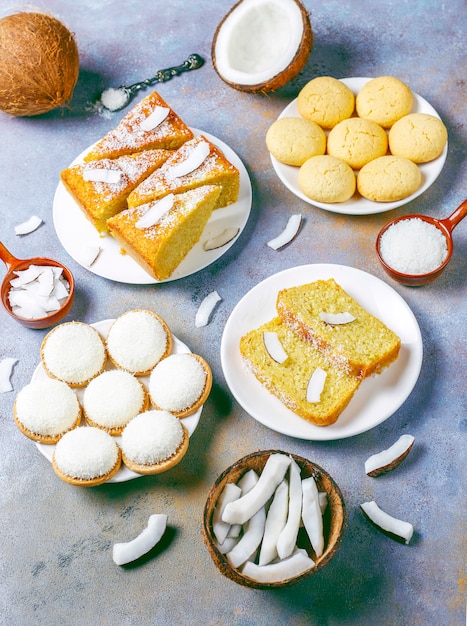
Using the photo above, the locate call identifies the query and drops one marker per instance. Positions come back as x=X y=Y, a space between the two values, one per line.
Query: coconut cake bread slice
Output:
x=289 y=380
x=198 y=162
x=150 y=124
x=324 y=314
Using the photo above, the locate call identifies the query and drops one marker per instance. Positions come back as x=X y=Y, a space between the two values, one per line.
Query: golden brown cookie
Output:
x=326 y=179
x=326 y=101
x=419 y=137
x=293 y=140
x=357 y=141
x=384 y=100
x=388 y=179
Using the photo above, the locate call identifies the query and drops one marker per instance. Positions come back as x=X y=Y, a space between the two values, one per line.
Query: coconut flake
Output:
x=390 y=458
x=88 y=255
x=6 y=369
x=206 y=308
x=336 y=318
x=192 y=162
x=316 y=385
x=221 y=239
x=396 y=528
x=155 y=118
x=274 y=347
x=290 y=231
x=102 y=175
x=37 y=291
x=157 y=210
x=28 y=226
x=123 y=553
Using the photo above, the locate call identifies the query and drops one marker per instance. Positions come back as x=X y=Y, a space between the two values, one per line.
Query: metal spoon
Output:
x=116 y=98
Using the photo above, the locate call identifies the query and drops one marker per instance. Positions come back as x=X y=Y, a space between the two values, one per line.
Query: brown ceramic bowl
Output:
x=334 y=519
x=13 y=264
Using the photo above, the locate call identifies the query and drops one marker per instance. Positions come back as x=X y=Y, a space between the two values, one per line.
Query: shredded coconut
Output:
x=151 y=437
x=177 y=382
x=114 y=98
x=86 y=453
x=113 y=398
x=413 y=246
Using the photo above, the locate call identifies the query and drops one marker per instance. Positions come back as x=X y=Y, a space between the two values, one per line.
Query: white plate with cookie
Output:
x=357 y=205
x=377 y=398
x=76 y=233
x=124 y=474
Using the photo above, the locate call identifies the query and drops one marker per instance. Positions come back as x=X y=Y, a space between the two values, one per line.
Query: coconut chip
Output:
x=205 y=309
x=192 y=162
x=102 y=175
x=6 y=369
x=157 y=210
x=38 y=291
x=221 y=239
x=316 y=385
x=28 y=226
x=88 y=255
x=336 y=319
x=157 y=117
x=290 y=231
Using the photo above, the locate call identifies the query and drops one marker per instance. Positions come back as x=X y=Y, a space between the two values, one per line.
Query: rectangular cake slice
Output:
x=101 y=188
x=169 y=230
x=150 y=124
x=198 y=162
x=289 y=380
x=325 y=315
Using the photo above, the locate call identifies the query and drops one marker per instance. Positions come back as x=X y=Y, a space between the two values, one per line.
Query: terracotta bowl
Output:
x=13 y=264
x=334 y=519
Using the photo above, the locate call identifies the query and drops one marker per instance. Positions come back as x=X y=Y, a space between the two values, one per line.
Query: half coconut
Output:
x=260 y=45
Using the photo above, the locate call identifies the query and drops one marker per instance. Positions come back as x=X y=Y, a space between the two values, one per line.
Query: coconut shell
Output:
x=282 y=78
x=39 y=64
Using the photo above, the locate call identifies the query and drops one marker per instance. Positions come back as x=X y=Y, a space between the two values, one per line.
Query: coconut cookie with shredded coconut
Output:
x=73 y=352
x=137 y=340
x=86 y=457
x=153 y=442
x=44 y=410
x=180 y=384
x=112 y=399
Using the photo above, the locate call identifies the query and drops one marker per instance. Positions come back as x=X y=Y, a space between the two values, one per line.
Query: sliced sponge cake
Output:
x=198 y=162
x=362 y=345
x=161 y=242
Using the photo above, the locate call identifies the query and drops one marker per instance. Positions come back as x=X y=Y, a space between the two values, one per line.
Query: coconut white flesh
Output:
x=155 y=213
x=102 y=175
x=288 y=568
x=288 y=538
x=312 y=515
x=88 y=255
x=228 y=545
x=337 y=318
x=123 y=553
x=220 y=528
x=248 y=481
x=390 y=458
x=157 y=117
x=28 y=226
x=6 y=369
x=37 y=291
x=289 y=233
x=258 y=40
x=221 y=238
x=192 y=162
x=204 y=312
x=254 y=531
x=316 y=385
x=387 y=523
x=275 y=522
x=244 y=508
x=274 y=347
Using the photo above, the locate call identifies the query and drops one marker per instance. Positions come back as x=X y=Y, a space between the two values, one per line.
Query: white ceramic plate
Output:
x=124 y=474
x=75 y=231
x=376 y=399
x=358 y=205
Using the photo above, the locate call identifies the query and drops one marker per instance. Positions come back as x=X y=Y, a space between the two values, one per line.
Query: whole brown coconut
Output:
x=39 y=64
x=259 y=46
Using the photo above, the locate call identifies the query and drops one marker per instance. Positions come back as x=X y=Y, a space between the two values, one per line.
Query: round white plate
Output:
x=358 y=205
x=377 y=398
x=75 y=231
x=124 y=474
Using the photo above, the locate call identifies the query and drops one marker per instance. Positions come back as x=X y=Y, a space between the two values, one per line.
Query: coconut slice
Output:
x=295 y=565
x=155 y=213
x=316 y=385
x=192 y=162
x=28 y=226
x=88 y=255
x=286 y=236
x=389 y=459
x=206 y=308
x=6 y=369
x=260 y=45
x=101 y=175
x=157 y=117
x=220 y=528
x=274 y=347
x=336 y=318
x=221 y=239
x=124 y=553
x=391 y=526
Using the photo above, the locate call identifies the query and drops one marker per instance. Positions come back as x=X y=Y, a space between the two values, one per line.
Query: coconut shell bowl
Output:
x=334 y=520
x=18 y=265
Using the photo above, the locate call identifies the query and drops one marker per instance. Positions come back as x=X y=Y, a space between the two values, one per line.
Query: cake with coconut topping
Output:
x=86 y=456
x=137 y=340
x=153 y=442
x=73 y=352
x=112 y=399
x=45 y=409
x=180 y=384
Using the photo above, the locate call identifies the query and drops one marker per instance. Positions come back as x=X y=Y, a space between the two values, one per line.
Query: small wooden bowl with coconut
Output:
x=273 y=519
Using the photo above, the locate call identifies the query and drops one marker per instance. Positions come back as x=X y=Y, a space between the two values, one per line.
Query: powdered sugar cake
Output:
x=136 y=132
x=214 y=169
x=101 y=199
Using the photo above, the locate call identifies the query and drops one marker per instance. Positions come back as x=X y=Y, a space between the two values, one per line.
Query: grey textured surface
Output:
x=55 y=560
